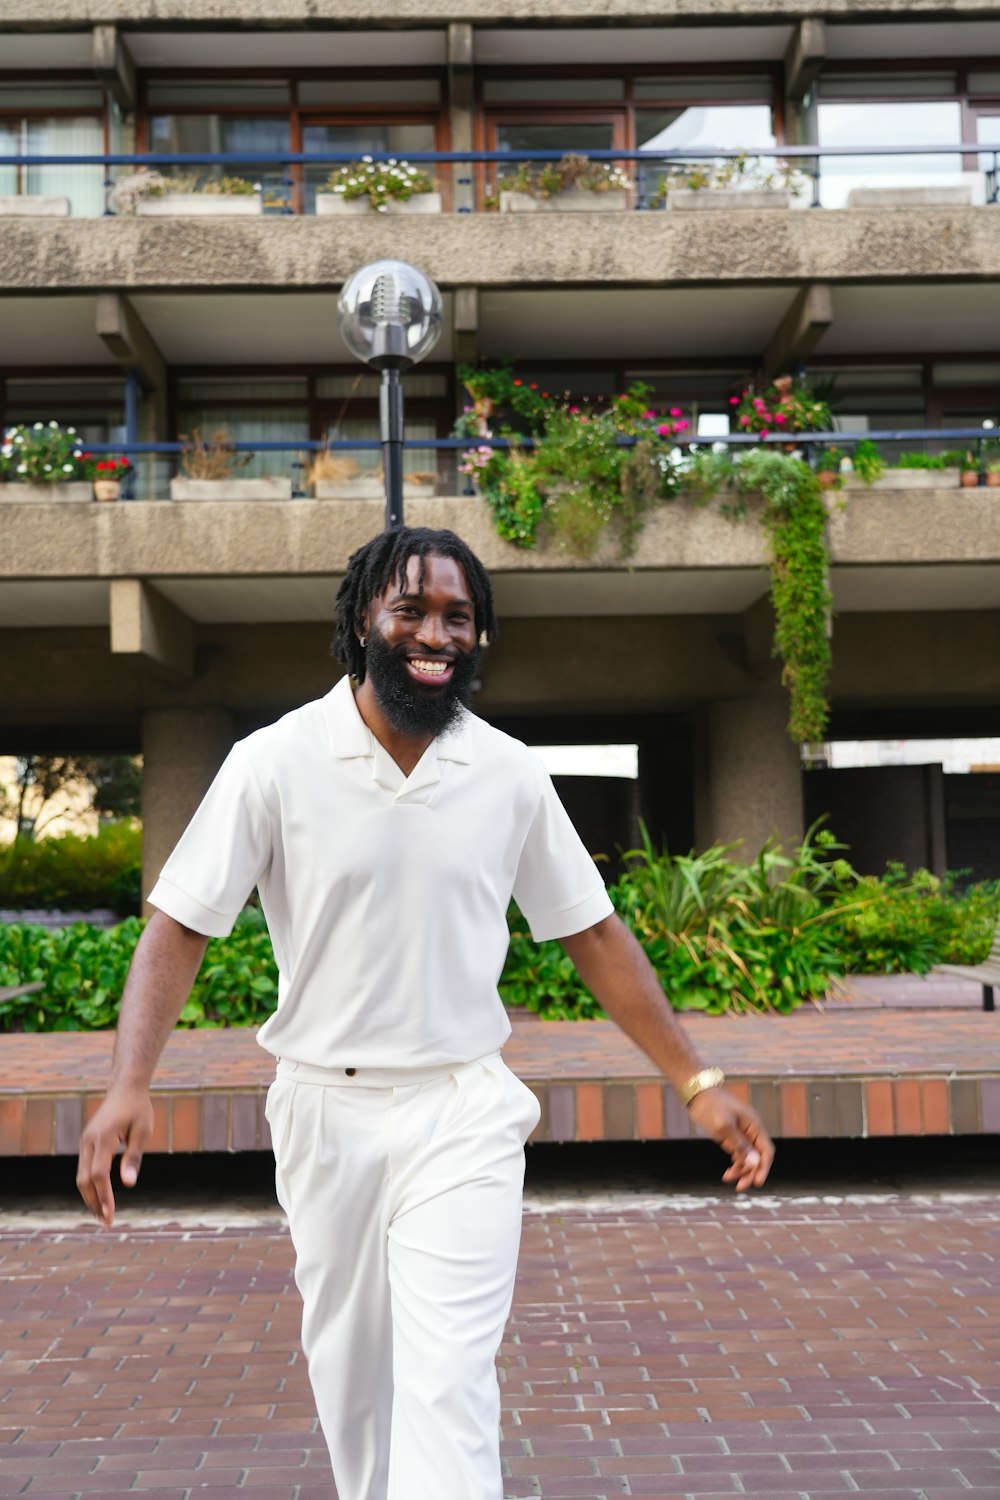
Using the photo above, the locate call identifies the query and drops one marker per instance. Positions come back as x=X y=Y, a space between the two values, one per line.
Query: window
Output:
x=76 y=130
x=851 y=120
x=247 y=412
x=359 y=138
x=231 y=133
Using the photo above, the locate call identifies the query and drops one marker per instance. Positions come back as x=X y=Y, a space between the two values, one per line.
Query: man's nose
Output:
x=433 y=632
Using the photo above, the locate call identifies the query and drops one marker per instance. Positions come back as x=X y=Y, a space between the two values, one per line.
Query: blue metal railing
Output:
x=973 y=439
x=806 y=159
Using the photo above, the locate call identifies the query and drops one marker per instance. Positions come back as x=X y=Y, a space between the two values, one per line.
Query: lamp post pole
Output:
x=390 y=316
x=390 y=408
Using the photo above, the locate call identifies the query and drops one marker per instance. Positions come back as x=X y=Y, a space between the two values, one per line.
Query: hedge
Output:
x=71 y=873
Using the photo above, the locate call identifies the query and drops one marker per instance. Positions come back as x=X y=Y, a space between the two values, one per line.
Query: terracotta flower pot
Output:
x=969 y=479
x=827 y=478
x=993 y=478
x=107 y=489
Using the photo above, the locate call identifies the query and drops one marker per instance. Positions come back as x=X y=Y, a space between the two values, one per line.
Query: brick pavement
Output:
x=867 y=1069
x=801 y=1348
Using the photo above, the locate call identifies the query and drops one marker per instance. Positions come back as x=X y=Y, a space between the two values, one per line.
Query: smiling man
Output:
x=386 y=828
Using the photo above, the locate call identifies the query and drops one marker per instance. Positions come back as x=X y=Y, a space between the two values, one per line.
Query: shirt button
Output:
x=350 y=1072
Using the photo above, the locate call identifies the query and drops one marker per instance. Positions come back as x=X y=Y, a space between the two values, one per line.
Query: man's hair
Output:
x=370 y=569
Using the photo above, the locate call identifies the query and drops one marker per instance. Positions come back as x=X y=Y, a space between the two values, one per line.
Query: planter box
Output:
x=911 y=197
x=33 y=206
x=72 y=489
x=906 y=479
x=575 y=200
x=368 y=489
x=336 y=203
x=200 y=205
x=728 y=198
x=275 y=488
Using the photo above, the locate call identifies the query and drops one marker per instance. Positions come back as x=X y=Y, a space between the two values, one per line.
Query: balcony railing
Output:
x=151 y=481
x=469 y=179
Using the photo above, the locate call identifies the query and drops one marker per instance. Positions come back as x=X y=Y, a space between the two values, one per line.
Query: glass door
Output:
x=988 y=134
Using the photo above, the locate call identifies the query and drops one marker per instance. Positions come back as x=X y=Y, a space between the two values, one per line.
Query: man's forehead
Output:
x=444 y=572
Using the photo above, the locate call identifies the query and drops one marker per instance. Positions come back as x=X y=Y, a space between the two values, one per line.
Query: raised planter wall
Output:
x=727 y=198
x=367 y=489
x=576 y=200
x=275 y=488
x=911 y=197
x=33 y=206
x=906 y=479
x=201 y=205
x=72 y=489
x=336 y=203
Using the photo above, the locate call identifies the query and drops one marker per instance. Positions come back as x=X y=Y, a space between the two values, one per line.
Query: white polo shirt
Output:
x=385 y=896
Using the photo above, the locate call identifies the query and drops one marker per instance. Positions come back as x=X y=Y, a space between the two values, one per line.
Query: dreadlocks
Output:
x=370 y=569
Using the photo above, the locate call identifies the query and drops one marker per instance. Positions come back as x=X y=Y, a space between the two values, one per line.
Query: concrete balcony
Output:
x=734 y=248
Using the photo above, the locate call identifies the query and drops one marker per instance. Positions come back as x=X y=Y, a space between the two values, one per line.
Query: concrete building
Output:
x=171 y=628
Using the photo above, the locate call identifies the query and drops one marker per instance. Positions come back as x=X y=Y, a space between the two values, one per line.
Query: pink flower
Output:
x=764 y=432
x=682 y=426
x=665 y=429
x=758 y=403
x=779 y=416
x=574 y=411
x=649 y=416
x=734 y=400
x=675 y=411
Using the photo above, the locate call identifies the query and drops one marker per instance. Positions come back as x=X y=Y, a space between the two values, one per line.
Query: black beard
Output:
x=413 y=710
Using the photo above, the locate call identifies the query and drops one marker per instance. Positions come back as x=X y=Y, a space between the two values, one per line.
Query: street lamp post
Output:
x=390 y=317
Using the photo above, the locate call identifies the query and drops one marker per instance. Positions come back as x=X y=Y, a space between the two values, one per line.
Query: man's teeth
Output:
x=436 y=668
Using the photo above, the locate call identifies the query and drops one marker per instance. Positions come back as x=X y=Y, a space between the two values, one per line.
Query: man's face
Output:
x=421 y=648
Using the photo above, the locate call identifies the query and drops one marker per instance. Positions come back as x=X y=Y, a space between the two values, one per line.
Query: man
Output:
x=386 y=829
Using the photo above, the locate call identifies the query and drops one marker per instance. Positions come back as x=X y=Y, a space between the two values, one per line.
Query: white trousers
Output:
x=404 y=1205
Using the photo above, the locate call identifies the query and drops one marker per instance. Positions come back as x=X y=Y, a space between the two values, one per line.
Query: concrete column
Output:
x=182 y=750
x=748 y=775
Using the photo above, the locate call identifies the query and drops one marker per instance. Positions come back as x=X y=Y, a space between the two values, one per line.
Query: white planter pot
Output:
x=33 y=206
x=911 y=197
x=274 y=488
x=729 y=198
x=72 y=489
x=574 y=200
x=336 y=203
x=200 y=205
x=906 y=479
x=364 y=488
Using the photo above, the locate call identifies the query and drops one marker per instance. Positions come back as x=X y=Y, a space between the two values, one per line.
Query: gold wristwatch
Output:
x=706 y=1078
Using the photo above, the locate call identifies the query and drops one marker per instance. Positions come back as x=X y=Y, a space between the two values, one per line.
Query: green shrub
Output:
x=720 y=935
x=73 y=873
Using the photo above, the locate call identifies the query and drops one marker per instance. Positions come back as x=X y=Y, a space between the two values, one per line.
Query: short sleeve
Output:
x=222 y=853
x=558 y=887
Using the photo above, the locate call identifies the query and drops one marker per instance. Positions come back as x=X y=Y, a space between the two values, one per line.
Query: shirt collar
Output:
x=350 y=736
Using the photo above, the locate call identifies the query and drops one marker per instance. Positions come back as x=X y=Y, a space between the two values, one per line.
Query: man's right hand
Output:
x=124 y=1119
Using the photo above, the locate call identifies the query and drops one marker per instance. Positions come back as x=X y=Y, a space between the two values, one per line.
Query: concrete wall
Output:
x=220 y=14
x=510 y=250
x=160 y=539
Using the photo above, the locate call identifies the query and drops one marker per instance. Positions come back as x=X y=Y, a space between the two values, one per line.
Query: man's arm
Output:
x=613 y=966
x=163 y=969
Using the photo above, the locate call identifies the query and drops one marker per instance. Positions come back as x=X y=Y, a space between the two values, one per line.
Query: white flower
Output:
x=67 y=468
x=37 y=427
x=22 y=468
x=71 y=430
x=366 y=158
x=48 y=468
x=53 y=424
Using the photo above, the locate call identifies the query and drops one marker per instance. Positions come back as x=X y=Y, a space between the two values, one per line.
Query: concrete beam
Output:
x=804 y=57
x=128 y=340
x=465 y=329
x=736 y=248
x=113 y=64
x=143 y=623
x=219 y=15
x=800 y=330
x=461 y=111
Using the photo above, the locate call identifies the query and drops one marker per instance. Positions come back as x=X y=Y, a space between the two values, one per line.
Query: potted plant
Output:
x=148 y=194
x=208 y=470
x=969 y=471
x=108 y=475
x=573 y=184
x=335 y=476
x=828 y=465
x=44 y=461
x=742 y=181
x=866 y=462
x=783 y=408
x=386 y=187
x=922 y=471
x=993 y=475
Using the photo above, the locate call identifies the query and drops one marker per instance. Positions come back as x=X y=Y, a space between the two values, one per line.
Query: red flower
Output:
x=518 y=382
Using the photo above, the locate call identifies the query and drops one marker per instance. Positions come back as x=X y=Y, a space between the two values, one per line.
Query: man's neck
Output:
x=405 y=749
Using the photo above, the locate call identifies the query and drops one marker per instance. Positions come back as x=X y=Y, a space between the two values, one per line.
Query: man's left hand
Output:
x=738 y=1130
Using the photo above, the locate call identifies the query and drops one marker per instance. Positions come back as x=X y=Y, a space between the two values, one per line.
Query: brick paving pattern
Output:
x=802 y=1348
x=871 y=1069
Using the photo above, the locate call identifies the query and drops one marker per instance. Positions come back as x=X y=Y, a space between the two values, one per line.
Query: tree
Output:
x=47 y=787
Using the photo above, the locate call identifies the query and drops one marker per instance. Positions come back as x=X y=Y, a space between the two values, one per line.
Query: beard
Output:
x=411 y=708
